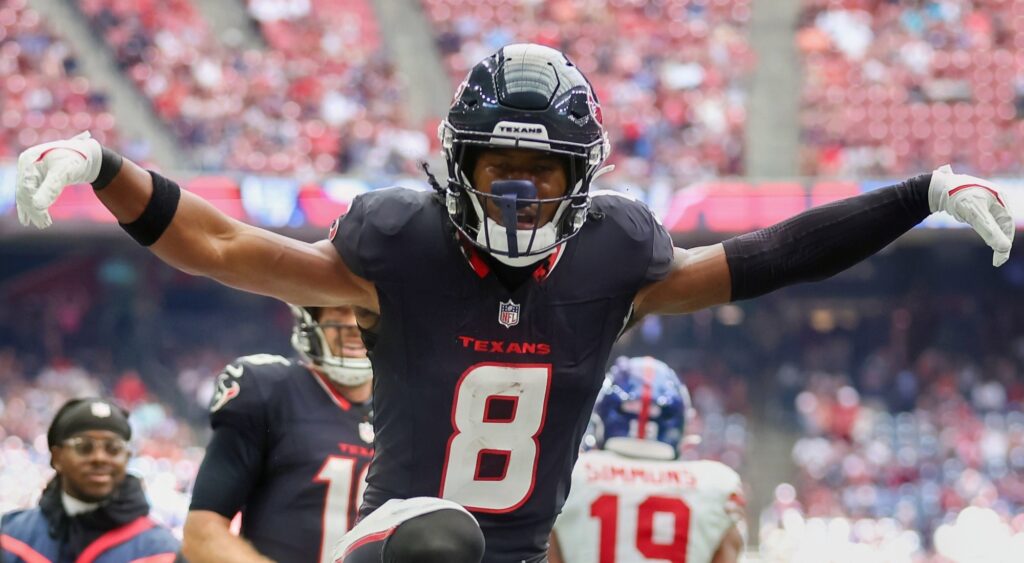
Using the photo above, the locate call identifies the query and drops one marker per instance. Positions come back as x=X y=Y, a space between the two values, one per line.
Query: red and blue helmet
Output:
x=642 y=409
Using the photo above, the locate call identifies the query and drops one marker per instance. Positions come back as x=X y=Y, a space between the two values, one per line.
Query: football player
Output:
x=292 y=439
x=631 y=499
x=494 y=300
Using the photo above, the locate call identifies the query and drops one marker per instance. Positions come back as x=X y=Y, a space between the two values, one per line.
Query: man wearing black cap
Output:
x=92 y=511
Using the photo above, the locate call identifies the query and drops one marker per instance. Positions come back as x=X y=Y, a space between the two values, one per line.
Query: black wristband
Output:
x=825 y=240
x=158 y=213
x=110 y=165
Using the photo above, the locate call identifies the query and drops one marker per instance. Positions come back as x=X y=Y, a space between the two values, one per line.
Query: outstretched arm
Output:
x=201 y=240
x=824 y=241
x=185 y=231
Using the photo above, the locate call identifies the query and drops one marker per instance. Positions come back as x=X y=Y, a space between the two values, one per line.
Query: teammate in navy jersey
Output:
x=292 y=439
x=493 y=303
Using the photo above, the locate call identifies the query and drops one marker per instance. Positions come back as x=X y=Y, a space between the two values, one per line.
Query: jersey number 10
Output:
x=339 y=472
x=606 y=509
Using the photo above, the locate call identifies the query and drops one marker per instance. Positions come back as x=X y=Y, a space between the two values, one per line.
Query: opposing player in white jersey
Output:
x=631 y=499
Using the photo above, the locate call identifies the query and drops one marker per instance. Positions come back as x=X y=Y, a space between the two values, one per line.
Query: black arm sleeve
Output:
x=826 y=240
x=228 y=474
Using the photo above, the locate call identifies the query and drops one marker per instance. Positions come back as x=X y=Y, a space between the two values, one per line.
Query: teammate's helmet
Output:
x=526 y=96
x=309 y=341
x=642 y=409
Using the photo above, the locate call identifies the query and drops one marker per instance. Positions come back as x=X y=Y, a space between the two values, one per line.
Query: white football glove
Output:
x=976 y=202
x=45 y=170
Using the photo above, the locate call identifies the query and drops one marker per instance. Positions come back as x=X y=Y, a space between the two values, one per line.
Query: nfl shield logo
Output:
x=508 y=313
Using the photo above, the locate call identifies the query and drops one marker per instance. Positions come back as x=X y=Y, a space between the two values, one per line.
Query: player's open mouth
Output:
x=350 y=351
x=526 y=219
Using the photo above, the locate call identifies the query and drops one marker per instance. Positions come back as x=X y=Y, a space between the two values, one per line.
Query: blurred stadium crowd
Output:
x=908 y=425
x=889 y=88
x=669 y=74
x=893 y=87
x=45 y=97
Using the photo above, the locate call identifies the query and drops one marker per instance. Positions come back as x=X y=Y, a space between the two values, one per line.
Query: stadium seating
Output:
x=961 y=445
x=670 y=75
x=42 y=95
x=321 y=98
x=895 y=88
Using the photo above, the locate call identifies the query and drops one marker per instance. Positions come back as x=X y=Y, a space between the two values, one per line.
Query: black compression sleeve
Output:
x=228 y=473
x=826 y=240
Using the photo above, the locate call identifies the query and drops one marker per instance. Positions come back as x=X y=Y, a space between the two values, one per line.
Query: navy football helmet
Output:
x=642 y=410
x=309 y=341
x=531 y=97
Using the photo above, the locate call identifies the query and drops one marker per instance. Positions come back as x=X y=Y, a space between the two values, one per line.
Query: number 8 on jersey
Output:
x=498 y=412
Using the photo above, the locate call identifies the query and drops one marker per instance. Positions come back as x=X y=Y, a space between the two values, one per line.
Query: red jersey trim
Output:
x=333 y=393
x=547 y=266
x=369 y=538
x=480 y=267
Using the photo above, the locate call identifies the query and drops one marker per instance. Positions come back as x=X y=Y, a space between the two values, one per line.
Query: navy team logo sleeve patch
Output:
x=227 y=386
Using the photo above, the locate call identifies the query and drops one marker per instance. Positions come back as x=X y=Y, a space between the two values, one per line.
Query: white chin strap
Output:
x=498 y=244
x=349 y=372
x=541 y=237
x=643 y=449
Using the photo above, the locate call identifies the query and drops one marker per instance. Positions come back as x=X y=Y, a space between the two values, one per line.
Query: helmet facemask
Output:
x=531 y=97
x=311 y=343
x=517 y=245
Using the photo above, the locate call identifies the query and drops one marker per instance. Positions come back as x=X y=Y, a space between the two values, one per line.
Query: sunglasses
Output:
x=84 y=447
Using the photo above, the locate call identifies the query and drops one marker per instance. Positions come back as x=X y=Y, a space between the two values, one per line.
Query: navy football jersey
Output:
x=482 y=394
x=315 y=449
